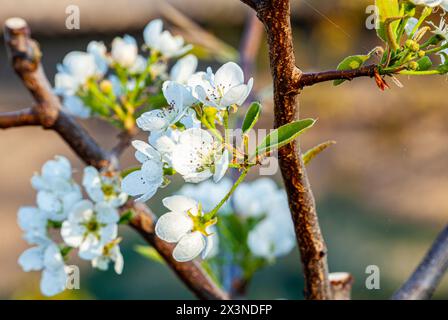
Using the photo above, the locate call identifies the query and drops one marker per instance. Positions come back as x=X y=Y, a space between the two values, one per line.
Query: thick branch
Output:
x=309 y=79
x=191 y=272
x=275 y=15
x=425 y=279
x=24 y=117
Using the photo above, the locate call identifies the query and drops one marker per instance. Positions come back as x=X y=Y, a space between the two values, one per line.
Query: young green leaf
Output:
x=387 y=9
x=351 y=63
x=283 y=135
x=424 y=64
x=252 y=115
x=313 y=152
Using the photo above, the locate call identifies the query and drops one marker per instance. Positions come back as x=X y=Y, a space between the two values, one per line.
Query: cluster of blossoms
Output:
x=119 y=84
x=178 y=144
x=260 y=201
x=186 y=114
x=63 y=221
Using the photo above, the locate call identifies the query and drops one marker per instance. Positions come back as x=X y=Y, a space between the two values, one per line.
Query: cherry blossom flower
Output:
x=57 y=192
x=47 y=258
x=90 y=227
x=183 y=225
x=145 y=181
x=224 y=88
x=441 y=30
x=197 y=156
x=179 y=100
x=33 y=223
x=163 y=41
x=103 y=187
x=428 y=3
x=99 y=51
x=274 y=236
x=184 y=69
x=111 y=253
x=124 y=51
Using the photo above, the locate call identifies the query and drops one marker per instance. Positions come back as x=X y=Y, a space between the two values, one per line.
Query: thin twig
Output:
x=425 y=279
x=24 y=117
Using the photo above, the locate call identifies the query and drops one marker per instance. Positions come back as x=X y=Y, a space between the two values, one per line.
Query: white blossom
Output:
x=111 y=253
x=33 y=223
x=47 y=258
x=274 y=236
x=124 y=51
x=57 y=192
x=179 y=99
x=197 y=156
x=428 y=3
x=410 y=25
x=76 y=107
x=74 y=71
x=254 y=199
x=103 y=187
x=99 y=51
x=89 y=227
x=182 y=225
x=163 y=41
x=184 y=69
x=224 y=88
x=145 y=181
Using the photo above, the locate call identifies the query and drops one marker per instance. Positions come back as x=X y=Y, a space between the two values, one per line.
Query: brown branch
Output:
x=275 y=15
x=24 y=117
x=191 y=272
x=425 y=279
x=25 y=56
x=309 y=79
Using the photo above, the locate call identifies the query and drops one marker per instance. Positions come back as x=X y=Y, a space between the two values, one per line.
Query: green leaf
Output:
x=351 y=63
x=387 y=9
x=284 y=135
x=251 y=118
x=150 y=253
x=424 y=64
x=126 y=217
x=125 y=172
x=313 y=152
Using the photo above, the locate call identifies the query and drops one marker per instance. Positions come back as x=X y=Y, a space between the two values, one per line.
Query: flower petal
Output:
x=32 y=259
x=172 y=226
x=228 y=76
x=189 y=247
x=180 y=204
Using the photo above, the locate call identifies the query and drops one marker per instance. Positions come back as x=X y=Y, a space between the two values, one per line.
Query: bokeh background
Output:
x=381 y=190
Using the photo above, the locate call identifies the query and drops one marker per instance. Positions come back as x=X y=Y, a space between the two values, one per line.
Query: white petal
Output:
x=108 y=233
x=410 y=25
x=189 y=247
x=72 y=233
x=172 y=226
x=180 y=204
x=228 y=76
x=136 y=184
x=106 y=213
x=151 y=33
x=221 y=166
x=48 y=201
x=76 y=107
x=59 y=167
x=32 y=259
x=53 y=282
x=52 y=258
x=91 y=247
x=184 y=68
x=145 y=149
x=153 y=120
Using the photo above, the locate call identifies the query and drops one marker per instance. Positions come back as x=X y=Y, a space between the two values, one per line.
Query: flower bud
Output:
x=412 y=45
x=413 y=65
x=106 y=86
x=421 y=54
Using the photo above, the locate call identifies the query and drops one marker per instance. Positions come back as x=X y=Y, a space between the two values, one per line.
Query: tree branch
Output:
x=25 y=56
x=309 y=79
x=24 y=117
x=275 y=15
x=425 y=279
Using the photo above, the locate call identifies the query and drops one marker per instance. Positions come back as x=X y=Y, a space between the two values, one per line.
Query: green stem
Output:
x=212 y=214
x=435 y=50
x=419 y=73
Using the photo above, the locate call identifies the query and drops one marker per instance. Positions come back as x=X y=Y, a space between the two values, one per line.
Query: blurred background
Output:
x=381 y=190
